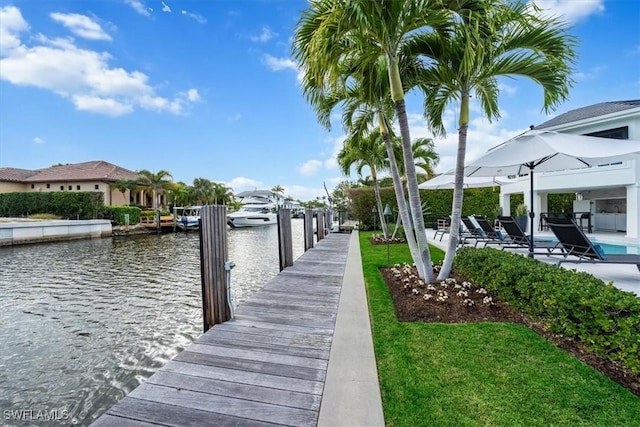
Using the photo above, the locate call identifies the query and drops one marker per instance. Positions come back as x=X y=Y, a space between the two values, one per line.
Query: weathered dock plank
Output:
x=266 y=367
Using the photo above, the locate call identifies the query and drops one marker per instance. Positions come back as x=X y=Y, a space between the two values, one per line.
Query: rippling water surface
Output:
x=82 y=323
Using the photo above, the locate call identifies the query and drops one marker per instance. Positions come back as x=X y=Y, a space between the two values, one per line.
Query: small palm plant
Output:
x=521 y=210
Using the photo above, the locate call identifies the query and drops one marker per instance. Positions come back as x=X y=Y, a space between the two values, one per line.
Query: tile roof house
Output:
x=88 y=176
x=609 y=194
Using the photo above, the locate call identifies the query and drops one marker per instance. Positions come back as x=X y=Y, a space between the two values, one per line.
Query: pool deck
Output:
x=298 y=353
x=623 y=276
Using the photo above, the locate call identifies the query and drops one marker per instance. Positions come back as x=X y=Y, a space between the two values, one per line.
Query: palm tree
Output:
x=507 y=39
x=369 y=151
x=426 y=159
x=158 y=182
x=332 y=31
x=364 y=104
x=178 y=194
x=202 y=191
x=278 y=190
x=222 y=194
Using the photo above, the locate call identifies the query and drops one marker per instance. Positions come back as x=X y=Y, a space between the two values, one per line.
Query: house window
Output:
x=33 y=186
x=62 y=188
x=617 y=133
x=48 y=185
x=97 y=187
x=70 y=187
x=77 y=187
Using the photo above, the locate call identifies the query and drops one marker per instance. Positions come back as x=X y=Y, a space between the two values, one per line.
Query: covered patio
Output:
x=610 y=194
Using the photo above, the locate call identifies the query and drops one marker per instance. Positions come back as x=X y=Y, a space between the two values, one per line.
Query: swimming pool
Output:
x=610 y=248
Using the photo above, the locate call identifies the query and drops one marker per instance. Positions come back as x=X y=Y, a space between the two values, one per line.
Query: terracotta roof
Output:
x=87 y=171
x=590 y=111
x=15 y=174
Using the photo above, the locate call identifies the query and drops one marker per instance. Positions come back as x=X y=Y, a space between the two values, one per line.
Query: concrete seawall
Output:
x=18 y=233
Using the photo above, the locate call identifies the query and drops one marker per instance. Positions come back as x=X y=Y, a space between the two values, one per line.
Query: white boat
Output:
x=187 y=218
x=252 y=216
x=257 y=210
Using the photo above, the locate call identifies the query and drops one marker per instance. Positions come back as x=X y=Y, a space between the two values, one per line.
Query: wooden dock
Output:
x=266 y=367
x=150 y=221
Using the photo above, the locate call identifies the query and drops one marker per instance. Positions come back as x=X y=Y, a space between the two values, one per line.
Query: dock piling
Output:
x=214 y=266
x=308 y=229
x=285 y=240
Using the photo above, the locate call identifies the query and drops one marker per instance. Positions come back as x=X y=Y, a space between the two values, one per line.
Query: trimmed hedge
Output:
x=571 y=303
x=66 y=204
x=117 y=213
x=477 y=201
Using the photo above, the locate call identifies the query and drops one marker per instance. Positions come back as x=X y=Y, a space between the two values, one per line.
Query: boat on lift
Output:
x=187 y=218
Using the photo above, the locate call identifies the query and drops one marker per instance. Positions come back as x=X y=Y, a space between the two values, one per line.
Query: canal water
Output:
x=82 y=323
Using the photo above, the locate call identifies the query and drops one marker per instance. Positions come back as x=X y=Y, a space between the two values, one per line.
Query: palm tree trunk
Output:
x=376 y=191
x=414 y=195
x=395 y=230
x=458 y=192
x=402 y=204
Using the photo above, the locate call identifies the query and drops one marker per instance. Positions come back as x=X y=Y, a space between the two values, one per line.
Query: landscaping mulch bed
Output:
x=459 y=301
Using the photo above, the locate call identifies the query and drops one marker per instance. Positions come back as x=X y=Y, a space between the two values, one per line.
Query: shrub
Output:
x=67 y=204
x=571 y=303
x=117 y=214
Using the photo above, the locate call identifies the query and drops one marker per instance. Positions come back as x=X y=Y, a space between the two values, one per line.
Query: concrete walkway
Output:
x=351 y=393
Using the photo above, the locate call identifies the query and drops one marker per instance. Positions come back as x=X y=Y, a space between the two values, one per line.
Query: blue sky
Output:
x=208 y=89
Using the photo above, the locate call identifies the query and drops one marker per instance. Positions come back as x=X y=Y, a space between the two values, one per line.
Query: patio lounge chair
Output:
x=491 y=233
x=442 y=226
x=473 y=232
x=576 y=243
x=518 y=239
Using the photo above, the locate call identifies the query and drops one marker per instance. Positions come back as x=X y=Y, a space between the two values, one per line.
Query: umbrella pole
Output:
x=532 y=214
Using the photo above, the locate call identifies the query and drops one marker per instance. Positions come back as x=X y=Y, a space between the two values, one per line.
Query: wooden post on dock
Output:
x=308 y=229
x=214 y=253
x=285 y=241
x=320 y=225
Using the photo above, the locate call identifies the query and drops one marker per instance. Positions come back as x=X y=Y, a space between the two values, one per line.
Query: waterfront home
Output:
x=88 y=176
x=609 y=194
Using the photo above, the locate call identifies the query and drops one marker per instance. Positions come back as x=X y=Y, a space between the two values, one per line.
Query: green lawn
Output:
x=488 y=374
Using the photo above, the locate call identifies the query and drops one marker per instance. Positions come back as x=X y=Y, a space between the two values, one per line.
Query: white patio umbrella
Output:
x=548 y=151
x=446 y=181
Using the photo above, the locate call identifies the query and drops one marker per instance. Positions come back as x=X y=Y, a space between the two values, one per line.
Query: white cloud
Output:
x=96 y=104
x=279 y=64
x=508 y=89
x=240 y=184
x=264 y=36
x=139 y=7
x=305 y=194
x=192 y=95
x=11 y=25
x=310 y=167
x=201 y=19
x=38 y=140
x=81 y=25
x=234 y=118
x=165 y=7
x=83 y=76
x=570 y=11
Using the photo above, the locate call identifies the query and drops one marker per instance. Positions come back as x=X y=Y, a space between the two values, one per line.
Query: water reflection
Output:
x=82 y=323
